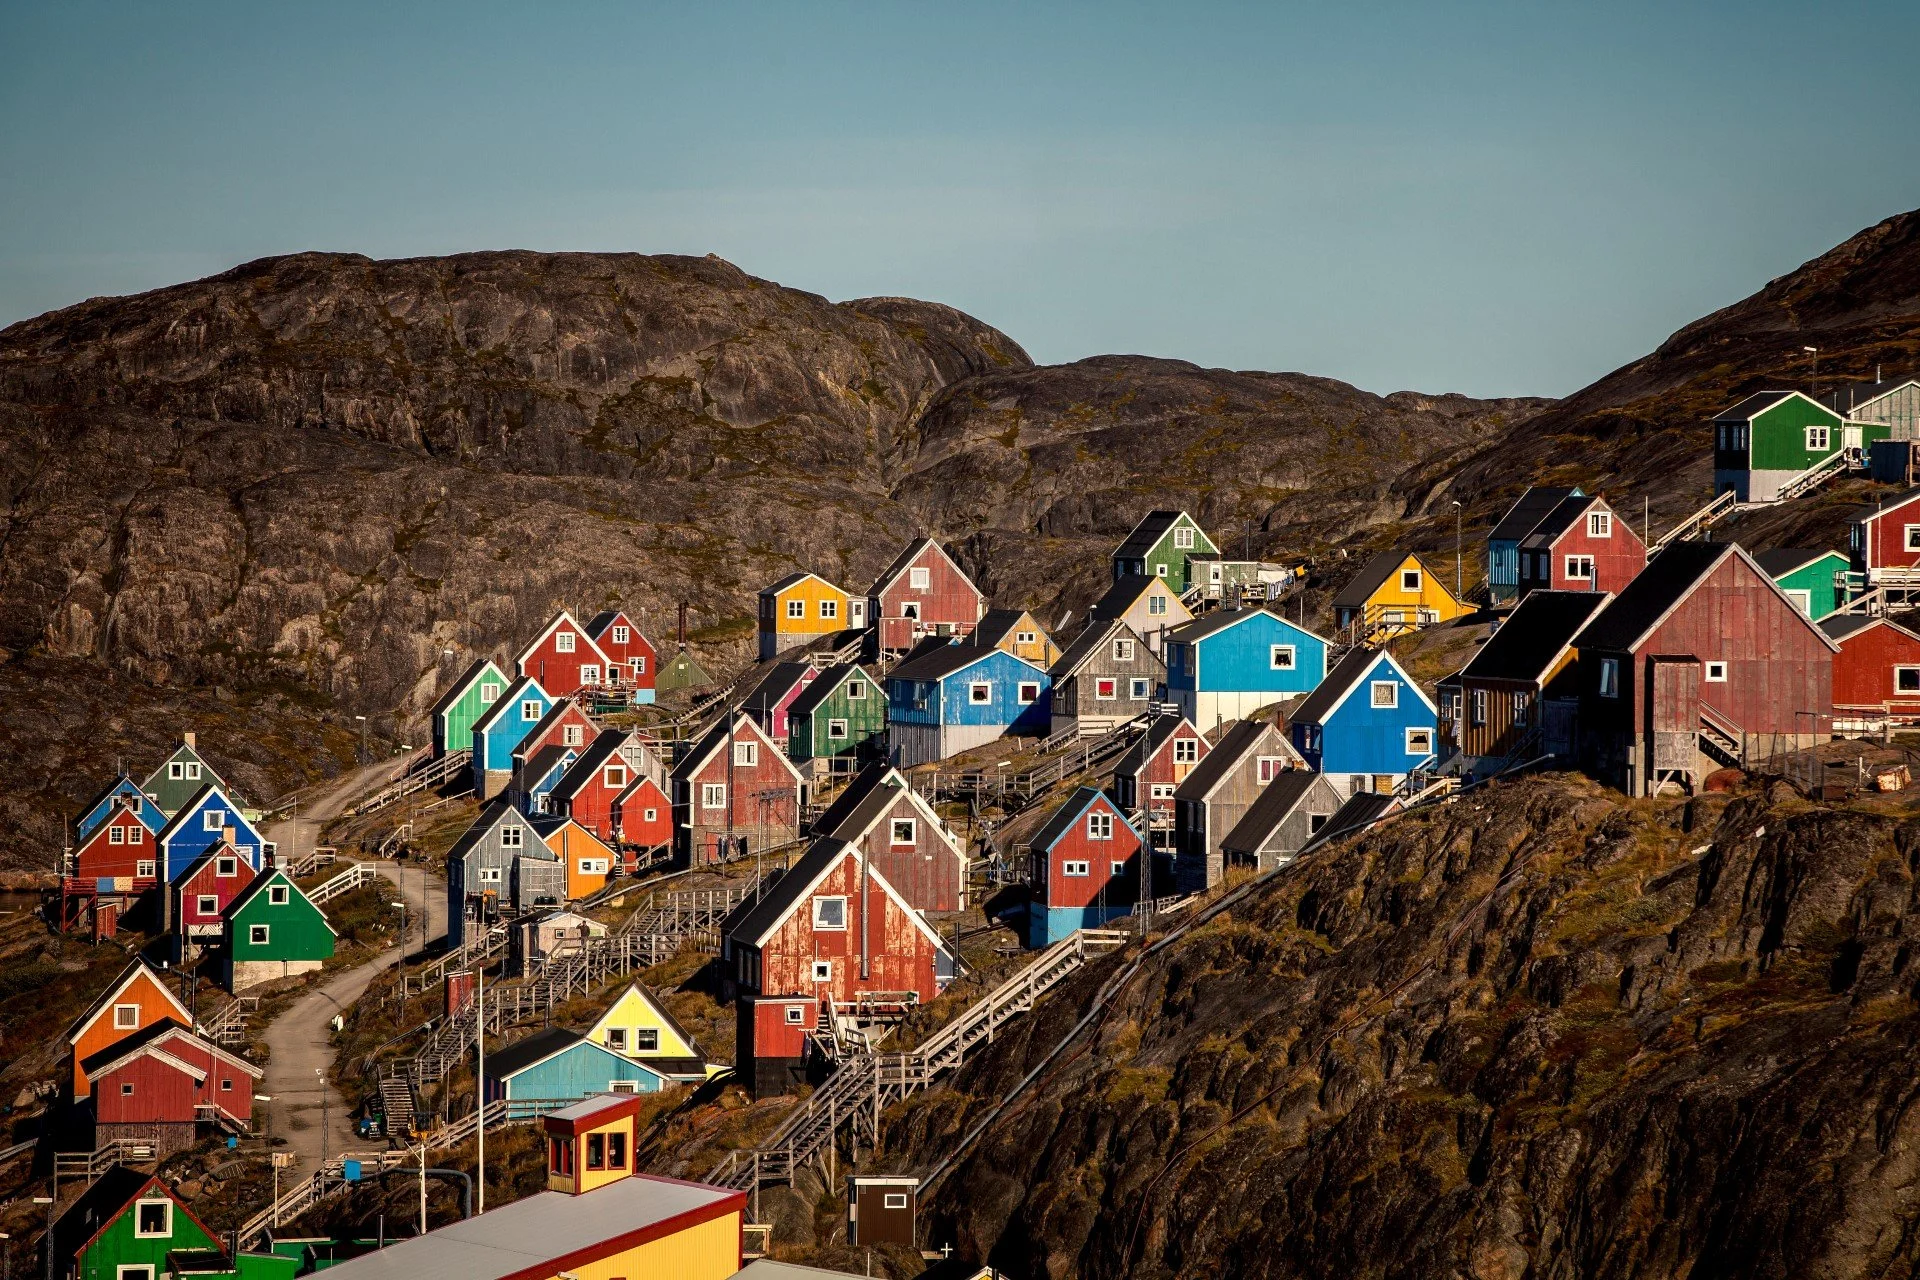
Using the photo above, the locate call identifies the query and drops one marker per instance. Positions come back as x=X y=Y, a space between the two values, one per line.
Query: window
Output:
x=226 y=1086
x=1599 y=524
x=617 y=1039
x=1186 y=750
x=226 y=868
x=1271 y=767
x=617 y=1150
x=904 y=831
x=489 y=693
x=1183 y=538
x=116 y=835
x=1099 y=826
x=1906 y=679
x=1521 y=701
x=1386 y=693
x=1913 y=537
x=1025 y=637
x=153 y=1218
x=794 y=1015
x=1802 y=600
x=589 y=673
x=1029 y=692
x=836 y=730
x=1609 y=677
x=1580 y=568
x=572 y=735
x=146 y=867
x=1074 y=869
x=257 y=935
x=596 y=1151
x=713 y=795
x=1419 y=742
x=1315 y=821
x=126 y=1017
x=979 y=692
x=176 y=770
x=1123 y=651
x=746 y=754
x=593 y=866
x=560 y=1156
x=1479 y=706
x=510 y=837
x=1161 y=791
x=646 y=1040
x=212 y=820
x=823 y=971
x=893 y=1200
x=856 y=691
x=1280 y=657
x=830 y=913
x=490 y=875
x=1106 y=689
x=616 y=776
x=639 y=665
x=919 y=578
x=911 y=609
x=1410 y=580
x=531 y=711
x=796 y=608
x=623 y=1086
x=277 y=895
x=563 y=642
x=1138 y=690
x=1156 y=605
x=652 y=815
x=829 y=608
x=126 y=1089
x=1817 y=439
x=207 y=904
x=1717 y=672
x=1159 y=571
x=1118 y=868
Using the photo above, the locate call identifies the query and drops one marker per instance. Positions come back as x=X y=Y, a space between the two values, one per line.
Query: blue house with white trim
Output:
x=501 y=728
x=123 y=793
x=1368 y=724
x=1231 y=663
x=961 y=696
x=557 y=1065
x=196 y=831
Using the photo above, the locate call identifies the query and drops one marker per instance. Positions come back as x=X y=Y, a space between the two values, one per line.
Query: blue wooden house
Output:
x=535 y=777
x=557 y=1065
x=1229 y=664
x=197 y=829
x=1368 y=724
x=122 y=793
x=959 y=696
x=1503 y=543
x=502 y=727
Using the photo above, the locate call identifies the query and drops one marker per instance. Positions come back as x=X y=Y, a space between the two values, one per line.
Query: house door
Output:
x=856 y=614
x=1557 y=716
x=1674 y=717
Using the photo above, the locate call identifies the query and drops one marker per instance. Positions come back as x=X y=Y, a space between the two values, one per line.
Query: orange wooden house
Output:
x=138 y=999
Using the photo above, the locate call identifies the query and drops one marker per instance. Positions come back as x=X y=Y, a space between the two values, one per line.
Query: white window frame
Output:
x=617 y=1039
x=212 y=820
x=1392 y=689
x=823 y=971
x=258 y=935
x=1116 y=867
x=856 y=691
x=1186 y=751
x=888 y=1200
x=1904 y=669
x=147 y=868
x=206 y=904
x=1599 y=524
x=746 y=755
x=796 y=1016
x=573 y=735
x=621 y=635
x=1479 y=705
x=1282 y=657
x=1609 y=677
x=1139 y=689
x=1112 y=686
x=646 y=1039
x=825 y=903
x=563 y=642
x=1715 y=671
x=1026 y=637
x=1123 y=650
x=615 y=776
x=830 y=608
x=1023 y=697
x=1579 y=568
x=1410 y=580
x=511 y=837
x=1819 y=438
x=623 y=1086
x=226 y=868
x=593 y=866
x=1159 y=571
x=489 y=692
x=1161 y=790
x=589 y=673
x=1099 y=825
x=638 y=664
x=1913 y=537
x=909 y=826
x=1075 y=870
x=979 y=693
x=139 y=1230
x=796 y=609
x=836 y=730
x=176 y=770
x=713 y=795
x=919 y=578
x=491 y=875
x=116 y=834
x=126 y=1017
x=1267 y=768
x=1419 y=741
x=279 y=895
x=1802 y=599
x=531 y=711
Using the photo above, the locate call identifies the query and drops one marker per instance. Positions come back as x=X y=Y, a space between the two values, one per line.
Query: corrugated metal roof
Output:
x=1376 y=571
x=1215 y=765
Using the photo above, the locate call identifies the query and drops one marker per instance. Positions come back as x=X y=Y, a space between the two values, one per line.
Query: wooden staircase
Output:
x=421 y=776
x=396 y=1106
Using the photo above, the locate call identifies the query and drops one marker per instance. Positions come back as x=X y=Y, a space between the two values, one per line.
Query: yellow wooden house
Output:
x=801 y=608
x=1397 y=592
x=1017 y=632
x=639 y=1026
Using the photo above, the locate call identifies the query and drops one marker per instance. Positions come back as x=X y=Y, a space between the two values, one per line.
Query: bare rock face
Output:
x=1534 y=1033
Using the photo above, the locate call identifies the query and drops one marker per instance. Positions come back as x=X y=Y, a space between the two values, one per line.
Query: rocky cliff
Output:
x=1541 y=1032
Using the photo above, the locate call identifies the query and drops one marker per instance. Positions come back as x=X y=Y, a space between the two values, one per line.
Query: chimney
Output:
x=188 y=738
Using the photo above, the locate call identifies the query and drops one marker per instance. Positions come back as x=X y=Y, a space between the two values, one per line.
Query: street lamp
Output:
x=320 y=1078
x=363 y=738
x=1813 y=378
x=1458 y=511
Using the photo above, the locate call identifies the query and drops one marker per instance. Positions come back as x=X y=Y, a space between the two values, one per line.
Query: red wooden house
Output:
x=895 y=827
x=642 y=818
x=923 y=593
x=564 y=658
x=200 y=897
x=587 y=791
x=160 y=1085
x=632 y=662
x=1703 y=661
x=1086 y=868
x=1876 y=674
x=1886 y=540
x=734 y=784
x=111 y=869
x=565 y=725
x=1153 y=768
x=1581 y=545
x=835 y=928
x=138 y=998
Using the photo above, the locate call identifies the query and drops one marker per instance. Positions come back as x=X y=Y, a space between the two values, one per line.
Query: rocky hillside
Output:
x=1537 y=1033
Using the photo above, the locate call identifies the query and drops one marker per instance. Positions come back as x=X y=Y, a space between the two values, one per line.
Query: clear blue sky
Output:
x=1488 y=198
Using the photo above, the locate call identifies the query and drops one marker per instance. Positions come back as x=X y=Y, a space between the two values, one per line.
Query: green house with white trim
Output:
x=273 y=930
x=464 y=702
x=1161 y=546
x=1808 y=577
x=124 y=1227
x=838 y=720
x=1766 y=440
x=180 y=777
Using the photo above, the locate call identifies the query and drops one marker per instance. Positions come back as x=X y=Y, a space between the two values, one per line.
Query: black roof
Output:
x=1329 y=691
x=774 y=904
x=522 y=1054
x=1152 y=527
x=1558 y=520
x=1065 y=816
x=583 y=769
x=830 y=678
x=709 y=742
x=1751 y=407
x=1525 y=514
x=1784 y=560
x=902 y=561
x=1376 y=571
x=851 y=796
x=1147 y=745
x=1534 y=635
x=510 y=695
x=98 y=1205
x=1673 y=572
x=1358 y=812
x=1092 y=637
x=993 y=628
x=938 y=663
x=458 y=687
x=859 y=819
x=775 y=685
x=472 y=836
x=1270 y=808
x=1217 y=763
x=1848 y=396
x=1841 y=625
x=1126 y=588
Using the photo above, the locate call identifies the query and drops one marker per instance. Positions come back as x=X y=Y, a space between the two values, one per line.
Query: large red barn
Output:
x=923 y=593
x=1877 y=671
x=159 y=1085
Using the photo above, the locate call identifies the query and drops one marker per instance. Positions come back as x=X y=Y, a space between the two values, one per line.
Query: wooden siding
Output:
x=189 y=919
x=162 y=1093
x=151 y=1005
x=948 y=605
x=778 y=632
x=1079 y=696
x=636 y=661
x=592 y=805
x=99 y=858
x=635 y=827
x=296 y=929
x=1201 y=824
x=563 y=673
x=1491 y=722
x=898 y=955
x=809 y=736
x=1863 y=671
x=117 y=1245
x=1134 y=789
x=929 y=873
x=1054 y=888
x=762 y=801
x=1885 y=545
x=1816 y=581
x=1617 y=559
x=578 y=1071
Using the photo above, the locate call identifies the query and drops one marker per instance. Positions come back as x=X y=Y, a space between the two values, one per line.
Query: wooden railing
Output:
x=422 y=775
x=1722 y=504
x=229 y=1026
x=355 y=875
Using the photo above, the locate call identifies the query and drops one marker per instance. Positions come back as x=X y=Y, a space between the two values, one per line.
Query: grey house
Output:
x=1106 y=677
x=1294 y=808
x=1218 y=793
x=484 y=874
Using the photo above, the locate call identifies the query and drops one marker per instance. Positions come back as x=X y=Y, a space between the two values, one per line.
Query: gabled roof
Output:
x=192 y=806
x=1152 y=527
x=1160 y=731
x=905 y=560
x=101 y=1204
x=716 y=737
x=560 y=619
x=776 y=684
x=544 y=725
x=1559 y=520
x=184 y=750
x=587 y=767
x=639 y=782
x=1535 y=635
x=757 y=924
x=1751 y=407
x=1270 y=808
x=951 y=659
x=1344 y=679
x=1372 y=575
x=468 y=678
x=1782 y=561
x=1669 y=578
x=537 y=1048
x=490 y=817
x=1358 y=813
x=598 y=624
x=1842 y=627
x=143 y=806
x=852 y=796
x=1867 y=515
x=998 y=624
x=1093 y=638
x=659 y=1007
x=1241 y=737
x=923 y=646
x=267 y=876
x=1525 y=514
x=511 y=696
x=853 y=823
x=152 y=1038
x=548 y=758
x=1077 y=803
x=1126 y=589
x=794 y=579
x=1222 y=619
x=1849 y=396
x=113 y=993
x=829 y=679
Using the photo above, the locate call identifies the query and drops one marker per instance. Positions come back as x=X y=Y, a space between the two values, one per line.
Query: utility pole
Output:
x=1458 y=562
x=321 y=1077
x=48 y=1201
x=480 y=1082
x=423 y=1188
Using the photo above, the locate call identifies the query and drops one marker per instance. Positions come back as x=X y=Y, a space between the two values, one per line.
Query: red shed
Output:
x=642 y=816
x=1886 y=539
x=1582 y=545
x=160 y=1084
x=835 y=928
x=1701 y=662
x=770 y=1041
x=1877 y=671
x=923 y=593
x=1153 y=768
x=733 y=783
x=633 y=663
x=202 y=894
x=895 y=826
x=564 y=658
x=1086 y=868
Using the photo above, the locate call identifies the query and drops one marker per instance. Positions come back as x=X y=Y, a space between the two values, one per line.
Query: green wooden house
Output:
x=838 y=720
x=272 y=930
x=180 y=777
x=1765 y=441
x=682 y=672
x=1807 y=576
x=464 y=702
x=124 y=1227
x=1160 y=546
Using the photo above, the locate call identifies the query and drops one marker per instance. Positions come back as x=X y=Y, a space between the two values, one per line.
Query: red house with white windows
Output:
x=587 y=791
x=895 y=827
x=1153 y=769
x=1581 y=545
x=1086 y=868
x=1876 y=674
x=923 y=593
x=120 y=849
x=564 y=725
x=564 y=658
x=633 y=663
x=202 y=894
x=162 y=1084
x=642 y=817
x=734 y=784
x=1886 y=540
